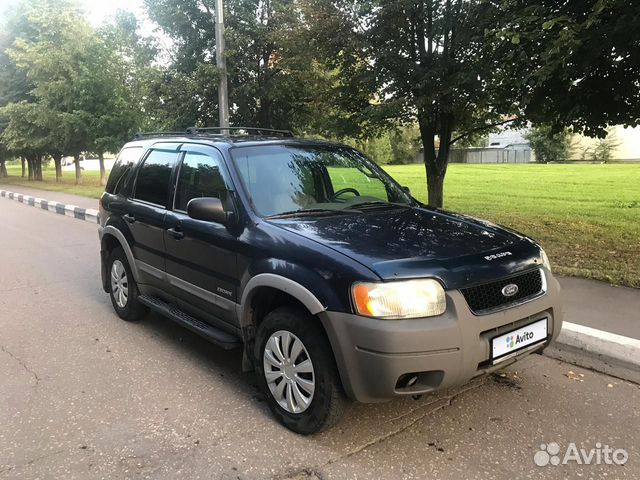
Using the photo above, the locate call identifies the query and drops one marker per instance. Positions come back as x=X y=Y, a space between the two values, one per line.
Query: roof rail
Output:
x=141 y=135
x=248 y=130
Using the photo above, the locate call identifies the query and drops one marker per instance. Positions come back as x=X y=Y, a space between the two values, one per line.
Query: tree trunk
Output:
x=3 y=169
x=103 y=173
x=37 y=163
x=23 y=166
x=435 y=188
x=30 y=167
x=435 y=178
x=57 y=159
x=435 y=162
x=76 y=159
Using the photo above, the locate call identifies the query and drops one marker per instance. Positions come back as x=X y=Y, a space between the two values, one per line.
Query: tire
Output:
x=123 y=290
x=327 y=401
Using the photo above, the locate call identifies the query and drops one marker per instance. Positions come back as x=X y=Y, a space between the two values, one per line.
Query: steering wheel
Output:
x=345 y=190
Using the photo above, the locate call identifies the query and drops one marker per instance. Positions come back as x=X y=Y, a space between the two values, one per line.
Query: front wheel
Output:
x=297 y=371
x=123 y=289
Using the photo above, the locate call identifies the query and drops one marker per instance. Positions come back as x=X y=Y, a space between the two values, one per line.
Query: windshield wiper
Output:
x=310 y=212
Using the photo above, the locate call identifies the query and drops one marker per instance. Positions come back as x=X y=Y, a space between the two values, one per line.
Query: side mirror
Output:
x=209 y=209
x=406 y=189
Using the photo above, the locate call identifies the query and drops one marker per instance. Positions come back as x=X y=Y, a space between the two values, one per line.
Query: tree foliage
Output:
x=464 y=65
x=578 y=62
x=78 y=100
x=415 y=61
x=392 y=76
x=273 y=80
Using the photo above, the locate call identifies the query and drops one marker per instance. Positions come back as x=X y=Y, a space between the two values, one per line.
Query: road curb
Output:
x=606 y=344
x=85 y=214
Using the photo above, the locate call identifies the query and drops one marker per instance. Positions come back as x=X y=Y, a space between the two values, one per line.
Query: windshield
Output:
x=291 y=179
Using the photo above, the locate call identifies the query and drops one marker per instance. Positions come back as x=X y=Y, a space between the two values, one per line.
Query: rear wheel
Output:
x=123 y=289
x=297 y=371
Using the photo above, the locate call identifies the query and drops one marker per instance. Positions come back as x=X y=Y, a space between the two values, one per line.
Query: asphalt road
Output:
x=85 y=395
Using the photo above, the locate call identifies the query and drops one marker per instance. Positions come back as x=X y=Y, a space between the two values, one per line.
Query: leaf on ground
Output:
x=571 y=375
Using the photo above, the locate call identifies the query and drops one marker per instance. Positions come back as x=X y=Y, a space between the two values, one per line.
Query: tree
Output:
x=5 y=154
x=549 y=146
x=425 y=62
x=273 y=79
x=14 y=85
x=115 y=111
x=70 y=71
x=578 y=61
x=602 y=149
x=25 y=133
x=134 y=73
x=405 y=144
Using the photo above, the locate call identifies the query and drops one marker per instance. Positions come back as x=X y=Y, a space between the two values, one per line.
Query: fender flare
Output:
x=286 y=285
x=118 y=235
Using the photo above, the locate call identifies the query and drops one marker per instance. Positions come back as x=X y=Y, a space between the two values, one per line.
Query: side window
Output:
x=124 y=164
x=152 y=184
x=200 y=176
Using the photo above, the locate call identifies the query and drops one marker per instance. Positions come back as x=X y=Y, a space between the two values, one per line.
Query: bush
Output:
x=602 y=150
x=549 y=146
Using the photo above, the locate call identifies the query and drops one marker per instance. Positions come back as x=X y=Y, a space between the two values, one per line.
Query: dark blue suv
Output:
x=330 y=276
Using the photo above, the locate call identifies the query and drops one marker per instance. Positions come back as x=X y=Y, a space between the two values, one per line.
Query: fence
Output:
x=485 y=155
x=490 y=155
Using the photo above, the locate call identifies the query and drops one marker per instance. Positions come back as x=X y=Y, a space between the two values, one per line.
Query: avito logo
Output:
x=515 y=340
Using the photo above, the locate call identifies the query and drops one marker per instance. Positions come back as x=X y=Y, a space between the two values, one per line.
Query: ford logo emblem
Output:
x=510 y=290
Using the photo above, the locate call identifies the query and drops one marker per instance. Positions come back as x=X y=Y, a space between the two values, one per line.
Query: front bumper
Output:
x=375 y=357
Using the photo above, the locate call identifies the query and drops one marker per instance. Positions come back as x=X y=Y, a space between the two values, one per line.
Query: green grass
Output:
x=586 y=216
x=90 y=182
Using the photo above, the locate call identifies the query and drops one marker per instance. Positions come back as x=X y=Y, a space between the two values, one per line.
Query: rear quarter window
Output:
x=125 y=162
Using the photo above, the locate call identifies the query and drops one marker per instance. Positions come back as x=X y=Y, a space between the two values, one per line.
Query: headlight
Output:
x=403 y=299
x=545 y=260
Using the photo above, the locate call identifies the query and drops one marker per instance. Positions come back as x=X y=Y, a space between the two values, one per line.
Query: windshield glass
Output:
x=282 y=179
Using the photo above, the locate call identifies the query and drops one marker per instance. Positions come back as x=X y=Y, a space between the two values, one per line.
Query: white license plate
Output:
x=511 y=342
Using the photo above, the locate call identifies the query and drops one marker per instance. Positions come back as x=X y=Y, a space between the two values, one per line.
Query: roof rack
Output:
x=248 y=130
x=141 y=135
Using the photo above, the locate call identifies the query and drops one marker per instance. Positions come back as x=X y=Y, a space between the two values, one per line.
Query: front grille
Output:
x=489 y=296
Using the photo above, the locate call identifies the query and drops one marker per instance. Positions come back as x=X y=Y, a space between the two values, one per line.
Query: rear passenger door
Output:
x=201 y=256
x=147 y=209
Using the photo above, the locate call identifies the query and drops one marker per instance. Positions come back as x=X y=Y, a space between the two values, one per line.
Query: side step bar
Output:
x=215 y=335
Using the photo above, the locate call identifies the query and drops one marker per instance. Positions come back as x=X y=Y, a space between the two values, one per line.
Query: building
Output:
x=625 y=144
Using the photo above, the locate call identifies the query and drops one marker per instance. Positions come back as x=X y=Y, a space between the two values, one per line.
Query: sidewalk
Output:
x=66 y=198
x=599 y=305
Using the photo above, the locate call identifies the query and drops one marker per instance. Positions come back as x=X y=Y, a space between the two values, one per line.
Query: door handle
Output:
x=128 y=218
x=175 y=233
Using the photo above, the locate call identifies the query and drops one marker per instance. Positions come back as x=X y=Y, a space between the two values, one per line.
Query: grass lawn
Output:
x=90 y=181
x=586 y=216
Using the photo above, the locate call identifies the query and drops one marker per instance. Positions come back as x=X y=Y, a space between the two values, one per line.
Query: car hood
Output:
x=422 y=242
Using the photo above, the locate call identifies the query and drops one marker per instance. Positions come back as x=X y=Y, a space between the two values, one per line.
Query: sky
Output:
x=99 y=11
